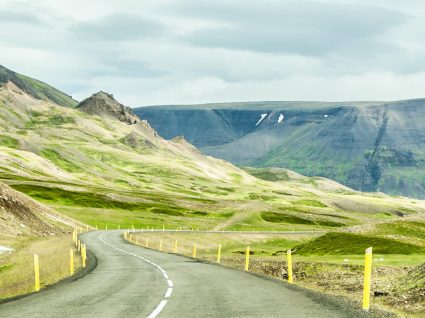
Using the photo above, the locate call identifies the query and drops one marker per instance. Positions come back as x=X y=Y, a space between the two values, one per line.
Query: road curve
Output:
x=134 y=281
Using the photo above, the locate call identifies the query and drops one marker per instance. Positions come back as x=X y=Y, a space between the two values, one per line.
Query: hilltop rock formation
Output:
x=104 y=104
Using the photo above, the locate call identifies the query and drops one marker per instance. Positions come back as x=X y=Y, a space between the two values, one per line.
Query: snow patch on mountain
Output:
x=261 y=119
x=281 y=117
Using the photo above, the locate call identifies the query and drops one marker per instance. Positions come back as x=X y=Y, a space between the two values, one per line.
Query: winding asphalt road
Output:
x=131 y=281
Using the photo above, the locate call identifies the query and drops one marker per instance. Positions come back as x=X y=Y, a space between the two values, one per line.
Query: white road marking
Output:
x=168 y=293
x=158 y=309
x=161 y=305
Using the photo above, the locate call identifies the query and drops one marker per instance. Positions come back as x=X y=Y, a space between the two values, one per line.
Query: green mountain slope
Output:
x=106 y=169
x=35 y=88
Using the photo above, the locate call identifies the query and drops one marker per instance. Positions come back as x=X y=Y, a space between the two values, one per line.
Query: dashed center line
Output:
x=158 y=309
x=163 y=302
x=168 y=293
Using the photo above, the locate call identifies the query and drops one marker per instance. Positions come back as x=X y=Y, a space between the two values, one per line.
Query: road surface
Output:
x=131 y=281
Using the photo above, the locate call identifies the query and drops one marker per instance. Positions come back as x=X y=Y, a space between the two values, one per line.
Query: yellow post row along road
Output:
x=131 y=280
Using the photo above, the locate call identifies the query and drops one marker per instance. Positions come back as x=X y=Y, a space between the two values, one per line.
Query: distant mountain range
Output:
x=368 y=146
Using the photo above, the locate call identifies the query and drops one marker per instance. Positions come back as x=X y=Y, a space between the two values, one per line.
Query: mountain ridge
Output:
x=36 y=88
x=97 y=167
x=369 y=147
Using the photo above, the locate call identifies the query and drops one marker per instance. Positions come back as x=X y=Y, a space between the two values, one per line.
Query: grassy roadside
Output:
x=340 y=275
x=17 y=268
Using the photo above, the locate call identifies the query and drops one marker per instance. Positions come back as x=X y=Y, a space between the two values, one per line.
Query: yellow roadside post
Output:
x=106 y=226
x=79 y=245
x=71 y=262
x=219 y=253
x=160 y=245
x=83 y=254
x=367 y=279
x=96 y=227
x=83 y=259
x=36 y=273
x=194 y=251
x=289 y=265
x=119 y=226
x=147 y=242
x=163 y=228
x=175 y=246
x=247 y=259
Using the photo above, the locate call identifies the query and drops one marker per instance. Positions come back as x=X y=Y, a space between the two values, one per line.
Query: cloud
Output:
x=13 y=17
x=119 y=27
x=298 y=27
x=187 y=51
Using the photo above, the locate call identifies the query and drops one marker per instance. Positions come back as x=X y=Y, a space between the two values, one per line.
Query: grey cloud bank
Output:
x=194 y=51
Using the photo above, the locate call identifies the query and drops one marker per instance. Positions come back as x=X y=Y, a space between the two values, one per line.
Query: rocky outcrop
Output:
x=105 y=105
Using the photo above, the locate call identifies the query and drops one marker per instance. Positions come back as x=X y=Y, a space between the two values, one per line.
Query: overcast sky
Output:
x=195 y=51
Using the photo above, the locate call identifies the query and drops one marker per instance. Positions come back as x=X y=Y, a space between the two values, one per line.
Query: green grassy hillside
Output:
x=103 y=171
x=36 y=88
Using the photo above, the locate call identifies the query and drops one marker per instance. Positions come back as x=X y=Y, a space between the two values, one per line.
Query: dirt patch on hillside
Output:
x=21 y=215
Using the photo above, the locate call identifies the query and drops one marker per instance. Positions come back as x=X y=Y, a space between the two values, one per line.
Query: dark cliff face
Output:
x=201 y=127
x=367 y=147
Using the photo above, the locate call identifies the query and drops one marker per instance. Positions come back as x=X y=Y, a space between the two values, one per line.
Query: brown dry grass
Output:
x=17 y=268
